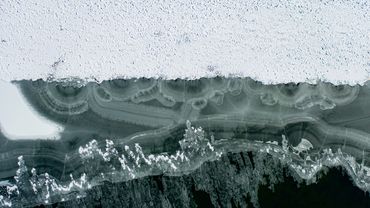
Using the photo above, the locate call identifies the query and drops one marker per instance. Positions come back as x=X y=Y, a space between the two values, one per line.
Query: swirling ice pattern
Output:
x=119 y=130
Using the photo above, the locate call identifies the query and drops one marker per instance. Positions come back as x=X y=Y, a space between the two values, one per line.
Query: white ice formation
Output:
x=18 y=120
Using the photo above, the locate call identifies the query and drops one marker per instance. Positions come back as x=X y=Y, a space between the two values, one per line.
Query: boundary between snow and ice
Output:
x=271 y=41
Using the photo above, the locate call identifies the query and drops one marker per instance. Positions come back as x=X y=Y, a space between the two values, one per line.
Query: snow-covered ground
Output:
x=269 y=40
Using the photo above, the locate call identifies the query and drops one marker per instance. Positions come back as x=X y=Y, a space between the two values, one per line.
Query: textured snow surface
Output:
x=269 y=40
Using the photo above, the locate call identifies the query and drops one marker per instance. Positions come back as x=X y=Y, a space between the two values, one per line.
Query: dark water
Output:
x=335 y=189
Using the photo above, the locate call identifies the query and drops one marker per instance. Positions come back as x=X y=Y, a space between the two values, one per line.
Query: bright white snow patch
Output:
x=19 y=121
x=270 y=40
